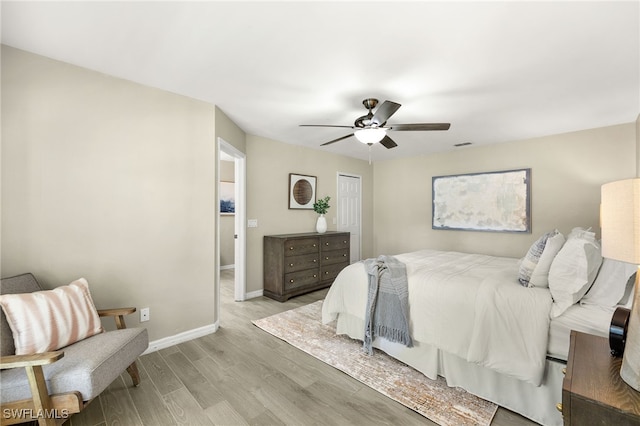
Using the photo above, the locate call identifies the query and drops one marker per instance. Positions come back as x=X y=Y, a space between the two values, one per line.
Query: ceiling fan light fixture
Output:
x=370 y=135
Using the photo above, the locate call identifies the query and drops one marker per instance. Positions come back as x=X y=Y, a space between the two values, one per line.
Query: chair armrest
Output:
x=43 y=358
x=44 y=408
x=117 y=314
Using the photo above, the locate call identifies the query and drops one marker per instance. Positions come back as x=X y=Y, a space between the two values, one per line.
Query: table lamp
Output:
x=620 y=223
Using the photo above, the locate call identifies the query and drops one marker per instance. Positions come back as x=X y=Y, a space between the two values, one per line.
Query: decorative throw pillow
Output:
x=534 y=268
x=48 y=320
x=573 y=270
x=540 y=275
x=610 y=284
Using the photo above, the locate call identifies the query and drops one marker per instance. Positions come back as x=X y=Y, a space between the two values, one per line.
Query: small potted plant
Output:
x=321 y=206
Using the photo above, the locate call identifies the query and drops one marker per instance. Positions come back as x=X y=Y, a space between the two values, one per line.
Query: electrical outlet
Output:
x=144 y=314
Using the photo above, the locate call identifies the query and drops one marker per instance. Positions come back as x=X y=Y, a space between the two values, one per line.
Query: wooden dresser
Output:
x=593 y=393
x=295 y=264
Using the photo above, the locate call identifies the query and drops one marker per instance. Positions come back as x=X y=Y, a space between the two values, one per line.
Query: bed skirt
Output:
x=537 y=403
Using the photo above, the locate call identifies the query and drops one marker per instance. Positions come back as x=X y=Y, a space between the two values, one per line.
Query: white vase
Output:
x=321 y=224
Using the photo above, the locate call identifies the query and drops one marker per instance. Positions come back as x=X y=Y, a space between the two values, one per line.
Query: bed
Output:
x=468 y=314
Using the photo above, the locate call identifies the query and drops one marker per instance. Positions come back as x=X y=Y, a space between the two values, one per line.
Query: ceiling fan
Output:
x=372 y=128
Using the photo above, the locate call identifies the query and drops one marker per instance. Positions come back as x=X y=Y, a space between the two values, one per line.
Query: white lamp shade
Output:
x=370 y=135
x=620 y=223
x=620 y=220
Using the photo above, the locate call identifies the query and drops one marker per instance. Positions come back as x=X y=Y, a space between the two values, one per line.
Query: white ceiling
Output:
x=497 y=71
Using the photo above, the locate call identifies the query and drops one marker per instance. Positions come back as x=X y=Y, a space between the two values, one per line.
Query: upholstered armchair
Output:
x=51 y=385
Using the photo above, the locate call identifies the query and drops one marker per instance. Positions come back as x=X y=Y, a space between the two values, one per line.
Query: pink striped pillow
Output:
x=48 y=320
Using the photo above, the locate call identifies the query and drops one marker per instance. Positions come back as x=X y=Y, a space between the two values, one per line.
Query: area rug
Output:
x=444 y=405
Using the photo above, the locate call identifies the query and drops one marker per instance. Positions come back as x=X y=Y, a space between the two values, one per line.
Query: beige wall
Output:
x=566 y=171
x=109 y=180
x=229 y=131
x=268 y=166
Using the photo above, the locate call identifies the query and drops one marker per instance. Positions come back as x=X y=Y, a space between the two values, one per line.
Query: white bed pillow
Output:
x=534 y=267
x=610 y=284
x=627 y=299
x=573 y=270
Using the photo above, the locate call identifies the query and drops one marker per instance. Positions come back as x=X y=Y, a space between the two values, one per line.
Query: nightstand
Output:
x=592 y=391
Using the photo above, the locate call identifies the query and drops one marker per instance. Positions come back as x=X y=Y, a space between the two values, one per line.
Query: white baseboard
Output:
x=253 y=294
x=228 y=267
x=185 y=336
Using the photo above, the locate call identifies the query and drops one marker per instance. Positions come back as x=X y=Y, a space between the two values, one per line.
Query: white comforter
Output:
x=469 y=305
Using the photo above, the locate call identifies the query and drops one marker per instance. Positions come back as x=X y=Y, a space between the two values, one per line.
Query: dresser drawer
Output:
x=330 y=272
x=300 y=246
x=299 y=263
x=335 y=256
x=301 y=279
x=335 y=242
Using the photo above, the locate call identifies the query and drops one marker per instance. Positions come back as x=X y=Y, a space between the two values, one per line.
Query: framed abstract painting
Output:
x=492 y=201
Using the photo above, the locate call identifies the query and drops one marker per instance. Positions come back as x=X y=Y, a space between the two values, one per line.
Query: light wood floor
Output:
x=241 y=375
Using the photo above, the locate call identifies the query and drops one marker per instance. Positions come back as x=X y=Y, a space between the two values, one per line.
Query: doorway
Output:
x=350 y=211
x=227 y=152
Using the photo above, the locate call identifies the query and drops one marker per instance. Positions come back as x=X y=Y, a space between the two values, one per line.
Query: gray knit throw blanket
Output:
x=387 y=302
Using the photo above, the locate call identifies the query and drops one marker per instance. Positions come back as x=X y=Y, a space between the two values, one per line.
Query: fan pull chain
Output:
x=370 y=153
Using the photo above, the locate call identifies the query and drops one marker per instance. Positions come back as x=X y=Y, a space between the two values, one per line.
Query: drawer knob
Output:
x=290 y=248
x=314 y=244
x=564 y=371
x=344 y=255
x=315 y=260
x=344 y=242
x=326 y=272
x=559 y=406
x=290 y=281
x=315 y=276
x=326 y=258
x=326 y=244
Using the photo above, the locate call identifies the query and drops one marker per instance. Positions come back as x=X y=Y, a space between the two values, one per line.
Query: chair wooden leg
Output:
x=133 y=372
x=40 y=395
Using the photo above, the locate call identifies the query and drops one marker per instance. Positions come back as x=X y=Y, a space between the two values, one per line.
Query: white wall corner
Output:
x=253 y=294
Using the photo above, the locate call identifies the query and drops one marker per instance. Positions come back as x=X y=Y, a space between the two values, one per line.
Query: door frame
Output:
x=351 y=175
x=240 y=245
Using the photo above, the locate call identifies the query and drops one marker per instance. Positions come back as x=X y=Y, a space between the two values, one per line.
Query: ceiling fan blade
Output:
x=421 y=126
x=388 y=143
x=384 y=111
x=337 y=140
x=325 y=125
